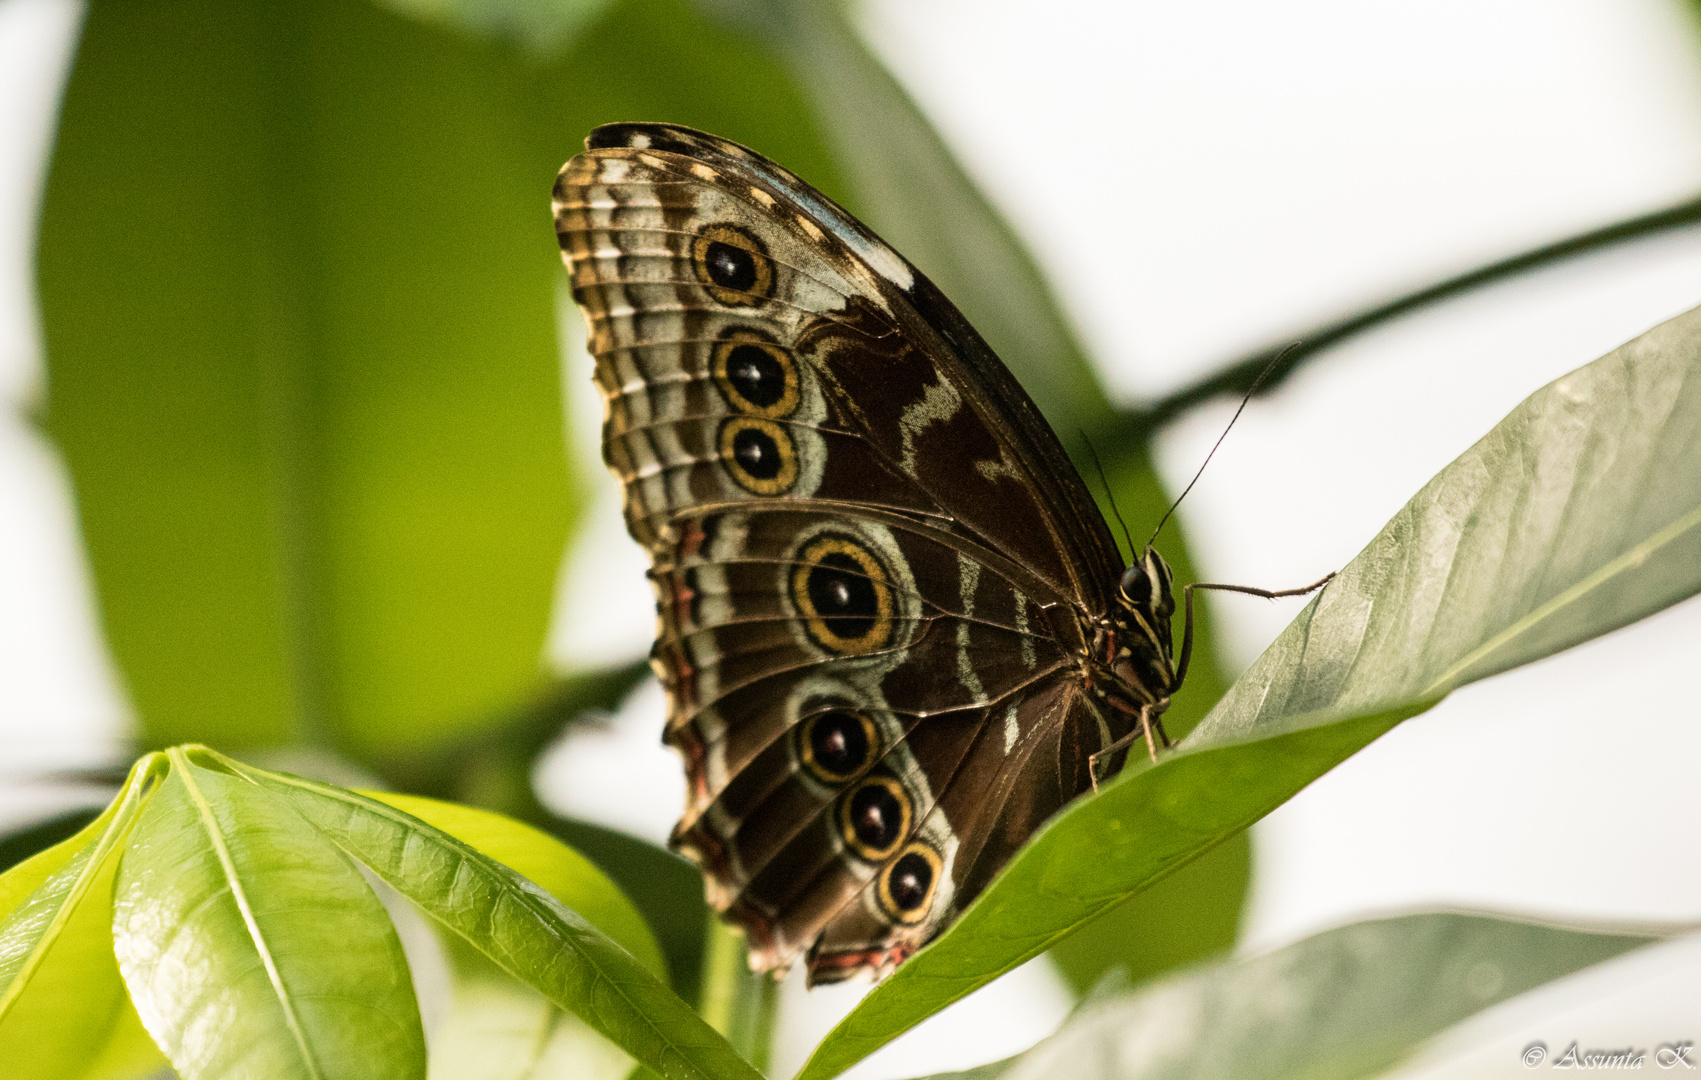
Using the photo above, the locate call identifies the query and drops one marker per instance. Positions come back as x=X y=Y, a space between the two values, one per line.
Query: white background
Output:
x=1197 y=179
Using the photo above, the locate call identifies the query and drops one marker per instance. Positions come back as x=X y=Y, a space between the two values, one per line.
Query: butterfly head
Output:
x=1145 y=601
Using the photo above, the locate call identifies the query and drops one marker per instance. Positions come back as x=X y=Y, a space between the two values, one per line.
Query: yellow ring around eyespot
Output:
x=806 y=747
x=723 y=355
x=847 y=828
x=808 y=560
x=759 y=290
x=780 y=482
x=884 y=888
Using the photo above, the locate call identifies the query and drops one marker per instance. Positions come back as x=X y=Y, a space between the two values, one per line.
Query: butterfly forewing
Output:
x=869 y=563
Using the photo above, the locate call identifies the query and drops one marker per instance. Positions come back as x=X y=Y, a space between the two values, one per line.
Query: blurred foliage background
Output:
x=301 y=304
x=302 y=311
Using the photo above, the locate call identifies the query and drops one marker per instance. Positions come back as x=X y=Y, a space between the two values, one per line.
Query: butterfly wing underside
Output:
x=869 y=553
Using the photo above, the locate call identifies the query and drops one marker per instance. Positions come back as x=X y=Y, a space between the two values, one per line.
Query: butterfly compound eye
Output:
x=1136 y=586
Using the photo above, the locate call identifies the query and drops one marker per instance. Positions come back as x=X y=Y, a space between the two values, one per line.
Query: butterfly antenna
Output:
x=1108 y=494
x=1253 y=389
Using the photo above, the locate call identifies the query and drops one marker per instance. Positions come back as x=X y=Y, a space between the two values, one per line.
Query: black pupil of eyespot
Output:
x=876 y=816
x=910 y=879
x=1136 y=586
x=756 y=375
x=730 y=267
x=843 y=596
x=756 y=453
x=839 y=742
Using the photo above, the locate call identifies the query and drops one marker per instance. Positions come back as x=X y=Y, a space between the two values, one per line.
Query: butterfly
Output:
x=895 y=631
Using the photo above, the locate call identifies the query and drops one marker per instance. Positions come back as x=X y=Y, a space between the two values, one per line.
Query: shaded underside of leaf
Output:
x=1578 y=513
x=1345 y=1003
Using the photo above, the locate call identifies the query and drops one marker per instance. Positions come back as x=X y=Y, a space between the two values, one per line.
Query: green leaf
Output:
x=904 y=182
x=525 y=930
x=61 y=998
x=569 y=876
x=1578 y=513
x=1342 y=1004
x=299 y=312
x=252 y=946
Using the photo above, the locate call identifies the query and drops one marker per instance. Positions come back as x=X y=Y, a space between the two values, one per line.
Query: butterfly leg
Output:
x=1187 y=625
x=1148 y=723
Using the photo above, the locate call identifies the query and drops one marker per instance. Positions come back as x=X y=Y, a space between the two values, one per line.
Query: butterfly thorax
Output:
x=1131 y=655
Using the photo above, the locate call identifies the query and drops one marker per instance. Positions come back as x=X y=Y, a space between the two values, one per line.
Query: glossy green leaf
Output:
x=1343 y=1004
x=299 y=309
x=1578 y=513
x=904 y=182
x=252 y=946
x=525 y=930
x=570 y=877
x=61 y=997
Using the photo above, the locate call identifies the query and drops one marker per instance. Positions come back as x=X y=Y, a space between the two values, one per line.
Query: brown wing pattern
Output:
x=868 y=583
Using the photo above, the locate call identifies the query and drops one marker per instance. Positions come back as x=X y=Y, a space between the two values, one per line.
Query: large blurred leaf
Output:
x=1578 y=513
x=252 y=946
x=1346 y=1003
x=299 y=311
x=904 y=181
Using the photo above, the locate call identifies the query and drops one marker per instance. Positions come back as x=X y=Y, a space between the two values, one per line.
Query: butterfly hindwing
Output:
x=861 y=535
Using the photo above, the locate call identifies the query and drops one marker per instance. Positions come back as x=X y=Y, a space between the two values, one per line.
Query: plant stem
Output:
x=1238 y=377
x=736 y=1001
x=722 y=963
